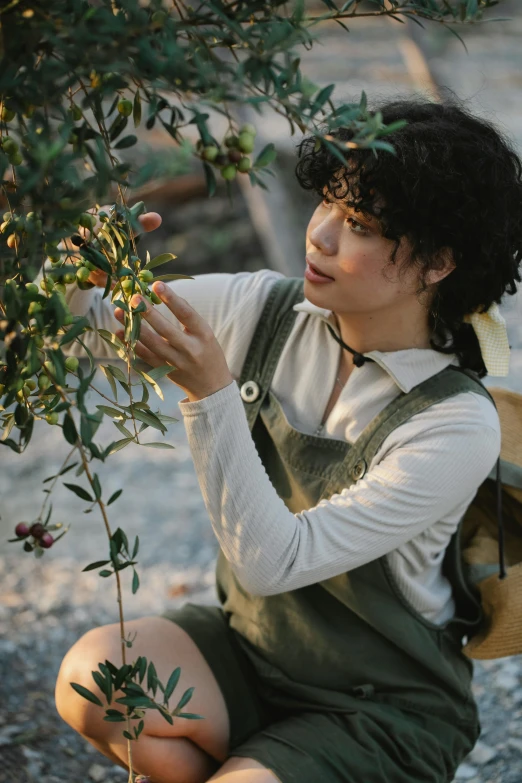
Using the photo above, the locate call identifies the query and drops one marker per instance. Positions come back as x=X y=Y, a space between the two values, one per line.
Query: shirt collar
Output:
x=407 y=368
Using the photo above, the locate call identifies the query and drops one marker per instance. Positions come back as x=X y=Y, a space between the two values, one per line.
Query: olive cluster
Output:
x=36 y=383
x=41 y=536
x=11 y=149
x=233 y=156
x=9 y=146
x=18 y=227
x=129 y=284
x=26 y=386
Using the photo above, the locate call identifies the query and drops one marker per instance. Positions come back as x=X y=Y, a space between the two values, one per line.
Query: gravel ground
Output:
x=46 y=604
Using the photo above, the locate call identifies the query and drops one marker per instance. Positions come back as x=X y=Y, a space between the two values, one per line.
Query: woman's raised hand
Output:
x=149 y=222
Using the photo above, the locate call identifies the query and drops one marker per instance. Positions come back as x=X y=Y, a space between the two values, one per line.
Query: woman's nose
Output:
x=325 y=236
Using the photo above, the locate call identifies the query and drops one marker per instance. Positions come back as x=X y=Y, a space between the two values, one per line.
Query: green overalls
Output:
x=395 y=687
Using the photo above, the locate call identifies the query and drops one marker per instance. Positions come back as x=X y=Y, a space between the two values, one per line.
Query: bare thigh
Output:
x=167 y=645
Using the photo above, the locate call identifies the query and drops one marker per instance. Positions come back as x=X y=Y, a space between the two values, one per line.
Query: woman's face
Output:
x=349 y=248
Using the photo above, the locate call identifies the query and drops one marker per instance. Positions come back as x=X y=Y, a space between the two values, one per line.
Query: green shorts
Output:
x=302 y=743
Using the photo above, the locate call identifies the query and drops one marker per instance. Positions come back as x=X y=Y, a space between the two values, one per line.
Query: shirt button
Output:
x=358 y=470
x=250 y=391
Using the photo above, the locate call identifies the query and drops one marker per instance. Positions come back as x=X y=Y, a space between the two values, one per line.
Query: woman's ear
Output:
x=444 y=265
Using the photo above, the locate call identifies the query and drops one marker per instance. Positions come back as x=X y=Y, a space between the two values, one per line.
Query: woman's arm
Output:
x=216 y=297
x=426 y=469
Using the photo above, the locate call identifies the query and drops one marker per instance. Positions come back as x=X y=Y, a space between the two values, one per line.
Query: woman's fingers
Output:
x=145 y=353
x=161 y=348
x=159 y=323
x=99 y=278
x=186 y=315
x=150 y=221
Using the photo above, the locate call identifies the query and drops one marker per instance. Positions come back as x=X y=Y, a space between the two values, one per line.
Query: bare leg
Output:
x=243 y=770
x=190 y=751
x=175 y=760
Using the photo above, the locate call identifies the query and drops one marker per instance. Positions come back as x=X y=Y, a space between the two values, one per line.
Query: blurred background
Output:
x=46 y=604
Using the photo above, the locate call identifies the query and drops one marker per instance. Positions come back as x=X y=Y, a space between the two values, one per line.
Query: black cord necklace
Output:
x=358 y=358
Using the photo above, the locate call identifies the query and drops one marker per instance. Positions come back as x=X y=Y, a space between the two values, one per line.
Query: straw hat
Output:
x=501 y=631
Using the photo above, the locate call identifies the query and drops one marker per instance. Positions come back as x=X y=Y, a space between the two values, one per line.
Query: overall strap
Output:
x=450 y=381
x=271 y=333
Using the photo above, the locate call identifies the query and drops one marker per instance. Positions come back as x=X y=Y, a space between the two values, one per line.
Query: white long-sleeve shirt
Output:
x=408 y=504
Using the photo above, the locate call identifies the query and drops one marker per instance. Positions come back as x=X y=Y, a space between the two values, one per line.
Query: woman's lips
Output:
x=314 y=274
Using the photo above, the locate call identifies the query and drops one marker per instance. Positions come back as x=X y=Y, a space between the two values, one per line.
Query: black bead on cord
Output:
x=358 y=358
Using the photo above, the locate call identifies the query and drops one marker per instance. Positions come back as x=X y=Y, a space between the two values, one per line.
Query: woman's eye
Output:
x=356 y=227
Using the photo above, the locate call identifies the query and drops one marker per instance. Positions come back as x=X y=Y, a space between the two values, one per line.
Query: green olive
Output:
x=159 y=18
x=7 y=114
x=32 y=288
x=229 y=172
x=231 y=141
x=9 y=146
x=76 y=112
x=30 y=384
x=146 y=275
x=72 y=363
x=128 y=285
x=87 y=220
x=210 y=153
x=244 y=165
x=82 y=274
x=125 y=107
x=43 y=382
x=248 y=128
x=34 y=307
x=246 y=142
x=155 y=298
x=52 y=418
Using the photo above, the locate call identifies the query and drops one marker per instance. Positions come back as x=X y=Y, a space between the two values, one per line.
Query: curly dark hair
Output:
x=454 y=182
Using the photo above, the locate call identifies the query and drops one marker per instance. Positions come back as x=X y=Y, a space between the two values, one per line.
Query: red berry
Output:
x=46 y=540
x=234 y=156
x=37 y=530
x=22 y=530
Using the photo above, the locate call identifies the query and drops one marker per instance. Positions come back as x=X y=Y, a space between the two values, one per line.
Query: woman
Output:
x=335 y=473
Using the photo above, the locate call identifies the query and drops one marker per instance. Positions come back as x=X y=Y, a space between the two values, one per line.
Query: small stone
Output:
x=506 y=681
x=482 y=754
x=97 y=772
x=466 y=772
x=515 y=743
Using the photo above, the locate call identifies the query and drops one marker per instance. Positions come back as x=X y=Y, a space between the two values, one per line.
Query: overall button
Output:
x=250 y=391
x=358 y=470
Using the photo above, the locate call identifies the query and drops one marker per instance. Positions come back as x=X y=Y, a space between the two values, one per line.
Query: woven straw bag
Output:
x=492 y=540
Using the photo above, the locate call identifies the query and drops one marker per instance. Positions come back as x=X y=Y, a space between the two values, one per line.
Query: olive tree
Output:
x=77 y=77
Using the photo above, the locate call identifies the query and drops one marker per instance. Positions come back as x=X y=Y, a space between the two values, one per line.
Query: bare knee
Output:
x=168 y=646
x=96 y=646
